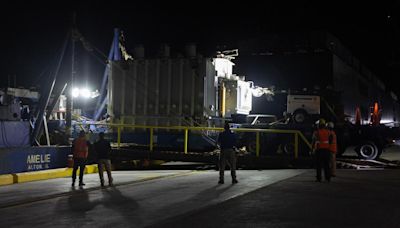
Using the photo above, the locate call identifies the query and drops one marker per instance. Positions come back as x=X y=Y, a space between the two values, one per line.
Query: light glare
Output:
x=85 y=93
x=75 y=92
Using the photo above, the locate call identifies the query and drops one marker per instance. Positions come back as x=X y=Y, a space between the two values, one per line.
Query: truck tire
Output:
x=300 y=116
x=367 y=150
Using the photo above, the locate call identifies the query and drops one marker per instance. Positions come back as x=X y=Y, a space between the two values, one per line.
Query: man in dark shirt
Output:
x=103 y=149
x=227 y=142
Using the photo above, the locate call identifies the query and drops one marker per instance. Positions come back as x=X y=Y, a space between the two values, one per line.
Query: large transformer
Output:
x=166 y=91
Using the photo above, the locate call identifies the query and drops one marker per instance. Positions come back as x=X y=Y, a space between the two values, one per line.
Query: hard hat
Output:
x=330 y=125
x=321 y=122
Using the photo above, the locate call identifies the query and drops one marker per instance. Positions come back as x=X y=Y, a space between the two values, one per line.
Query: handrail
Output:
x=186 y=130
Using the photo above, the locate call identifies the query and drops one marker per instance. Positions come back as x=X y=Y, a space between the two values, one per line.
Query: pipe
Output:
x=44 y=99
x=55 y=100
x=117 y=51
x=113 y=55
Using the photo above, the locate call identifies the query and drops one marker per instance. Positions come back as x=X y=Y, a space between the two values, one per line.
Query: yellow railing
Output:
x=186 y=130
x=296 y=134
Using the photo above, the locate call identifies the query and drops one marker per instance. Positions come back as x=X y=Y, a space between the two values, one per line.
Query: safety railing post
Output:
x=151 y=138
x=119 y=137
x=296 y=145
x=305 y=140
x=186 y=140
x=258 y=144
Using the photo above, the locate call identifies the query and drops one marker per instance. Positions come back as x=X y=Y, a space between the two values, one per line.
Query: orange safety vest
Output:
x=80 y=148
x=333 y=145
x=322 y=139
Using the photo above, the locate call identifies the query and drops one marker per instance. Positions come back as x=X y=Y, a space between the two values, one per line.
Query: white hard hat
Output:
x=330 y=125
x=320 y=122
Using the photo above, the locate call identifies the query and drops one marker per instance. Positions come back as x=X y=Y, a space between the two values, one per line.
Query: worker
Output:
x=332 y=148
x=80 y=149
x=227 y=142
x=103 y=150
x=321 y=144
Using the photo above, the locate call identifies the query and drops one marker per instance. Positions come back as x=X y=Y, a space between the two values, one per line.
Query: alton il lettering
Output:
x=38 y=161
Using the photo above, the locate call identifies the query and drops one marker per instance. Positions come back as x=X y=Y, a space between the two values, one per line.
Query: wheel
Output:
x=367 y=150
x=299 y=116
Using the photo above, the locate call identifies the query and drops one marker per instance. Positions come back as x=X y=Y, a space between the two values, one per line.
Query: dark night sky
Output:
x=32 y=33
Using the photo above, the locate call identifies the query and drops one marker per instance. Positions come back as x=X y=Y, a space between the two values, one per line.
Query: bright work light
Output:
x=85 y=93
x=75 y=92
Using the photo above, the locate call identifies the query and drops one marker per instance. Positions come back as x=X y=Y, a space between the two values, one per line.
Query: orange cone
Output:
x=375 y=115
x=358 y=116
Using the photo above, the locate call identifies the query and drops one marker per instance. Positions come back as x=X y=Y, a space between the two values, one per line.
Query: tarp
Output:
x=14 y=133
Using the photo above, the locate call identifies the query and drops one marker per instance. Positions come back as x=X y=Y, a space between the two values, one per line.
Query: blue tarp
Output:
x=14 y=133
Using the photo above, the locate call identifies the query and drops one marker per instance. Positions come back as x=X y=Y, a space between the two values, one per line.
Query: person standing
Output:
x=332 y=148
x=227 y=142
x=321 y=141
x=80 y=150
x=103 y=150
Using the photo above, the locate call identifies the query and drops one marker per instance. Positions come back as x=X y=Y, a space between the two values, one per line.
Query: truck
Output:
x=368 y=140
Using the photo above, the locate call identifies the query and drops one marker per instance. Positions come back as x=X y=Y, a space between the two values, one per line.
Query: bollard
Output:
x=70 y=161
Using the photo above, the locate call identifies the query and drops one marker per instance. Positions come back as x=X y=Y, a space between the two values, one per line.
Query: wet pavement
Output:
x=188 y=198
x=353 y=199
x=135 y=201
x=392 y=153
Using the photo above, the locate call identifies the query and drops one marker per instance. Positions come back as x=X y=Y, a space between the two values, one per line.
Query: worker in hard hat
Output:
x=321 y=144
x=227 y=141
x=332 y=148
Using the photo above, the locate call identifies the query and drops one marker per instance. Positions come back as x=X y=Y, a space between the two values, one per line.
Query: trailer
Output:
x=193 y=90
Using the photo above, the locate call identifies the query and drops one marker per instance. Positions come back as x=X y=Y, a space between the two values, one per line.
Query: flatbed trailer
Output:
x=126 y=155
x=368 y=141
